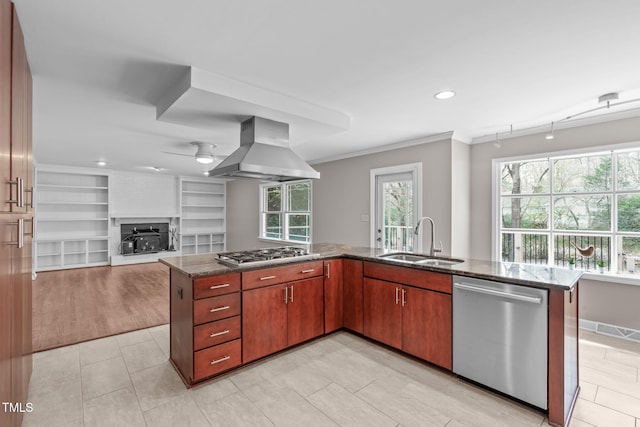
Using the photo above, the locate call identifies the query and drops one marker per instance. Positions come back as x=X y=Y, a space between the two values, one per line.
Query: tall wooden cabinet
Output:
x=16 y=218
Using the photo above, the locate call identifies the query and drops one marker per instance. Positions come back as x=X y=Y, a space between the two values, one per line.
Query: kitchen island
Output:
x=226 y=316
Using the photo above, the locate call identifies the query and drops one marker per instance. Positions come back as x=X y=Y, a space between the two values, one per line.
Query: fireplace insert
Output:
x=144 y=238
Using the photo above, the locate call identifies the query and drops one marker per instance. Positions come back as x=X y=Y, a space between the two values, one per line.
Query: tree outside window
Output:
x=582 y=207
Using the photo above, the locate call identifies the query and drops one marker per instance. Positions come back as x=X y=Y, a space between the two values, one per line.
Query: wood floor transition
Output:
x=71 y=306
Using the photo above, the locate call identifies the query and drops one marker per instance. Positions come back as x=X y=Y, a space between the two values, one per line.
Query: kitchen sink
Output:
x=440 y=262
x=406 y=257
x=421 y=259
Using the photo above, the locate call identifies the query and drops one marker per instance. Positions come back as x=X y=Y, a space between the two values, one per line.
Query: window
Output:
x=582 y=208
x=286 y=211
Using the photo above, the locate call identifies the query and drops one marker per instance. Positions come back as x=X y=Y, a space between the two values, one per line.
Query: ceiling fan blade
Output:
x=178 y=154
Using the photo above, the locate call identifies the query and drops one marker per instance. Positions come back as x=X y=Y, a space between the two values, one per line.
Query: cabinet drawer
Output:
x=214 y=360
x=289 y=273
x=216 y=308
x=216 y=285
x=409 y=276
x=215 y=333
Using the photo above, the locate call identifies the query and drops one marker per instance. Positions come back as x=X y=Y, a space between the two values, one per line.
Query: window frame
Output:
x=614 y=234
x=284 y=212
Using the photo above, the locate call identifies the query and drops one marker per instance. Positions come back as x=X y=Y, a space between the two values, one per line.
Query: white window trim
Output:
x=495 y=200
x=416 y=170
x=261 y=233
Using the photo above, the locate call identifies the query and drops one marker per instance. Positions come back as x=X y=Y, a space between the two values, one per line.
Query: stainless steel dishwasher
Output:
x=500 y=337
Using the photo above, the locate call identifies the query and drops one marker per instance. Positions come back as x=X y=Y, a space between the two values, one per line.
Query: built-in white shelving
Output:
x=203 y=216
x=72 y=220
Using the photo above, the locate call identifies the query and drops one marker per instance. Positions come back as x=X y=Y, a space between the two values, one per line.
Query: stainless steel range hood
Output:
x=264 y=154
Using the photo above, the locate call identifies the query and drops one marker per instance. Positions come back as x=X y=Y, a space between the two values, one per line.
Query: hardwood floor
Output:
x=70 y=306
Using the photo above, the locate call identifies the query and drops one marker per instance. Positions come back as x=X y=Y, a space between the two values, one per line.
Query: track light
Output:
x=550 y=134
x=497 y=143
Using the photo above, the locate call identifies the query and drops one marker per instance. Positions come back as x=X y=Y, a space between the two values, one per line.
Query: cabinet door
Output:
x=305 y=310
x=426 y=325
x=18 y=99
x=333 y=295
x=5 y=106
x=264 y=322
x=383 y=311
x=352 y=294
x=7 y=234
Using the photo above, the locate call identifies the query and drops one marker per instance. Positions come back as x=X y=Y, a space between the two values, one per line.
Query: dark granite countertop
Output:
x=539 y=276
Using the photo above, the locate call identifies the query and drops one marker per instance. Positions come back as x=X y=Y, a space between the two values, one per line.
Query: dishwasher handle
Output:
x=518 y=297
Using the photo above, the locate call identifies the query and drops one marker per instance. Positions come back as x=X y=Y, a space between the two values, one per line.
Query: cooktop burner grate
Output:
x=265 y=255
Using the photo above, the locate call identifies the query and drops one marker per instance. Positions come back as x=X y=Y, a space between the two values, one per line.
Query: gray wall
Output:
x=600 y=301
x=342 y=194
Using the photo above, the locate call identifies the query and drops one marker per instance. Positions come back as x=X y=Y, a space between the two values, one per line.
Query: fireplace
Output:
x=144 y=238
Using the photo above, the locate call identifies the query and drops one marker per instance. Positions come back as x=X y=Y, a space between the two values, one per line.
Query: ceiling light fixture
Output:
x=204 y=155
x=445 y=94
x=101 y=163
x=550 y=135
x=606 y=98
x=205 y=173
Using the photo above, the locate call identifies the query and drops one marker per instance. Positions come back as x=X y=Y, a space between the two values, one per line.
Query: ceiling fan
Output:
x=204 y=154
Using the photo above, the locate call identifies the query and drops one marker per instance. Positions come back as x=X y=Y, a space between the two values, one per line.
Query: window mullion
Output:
x=551 y=258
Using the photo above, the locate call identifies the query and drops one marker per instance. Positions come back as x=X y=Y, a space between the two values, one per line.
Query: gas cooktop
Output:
x=265 y=256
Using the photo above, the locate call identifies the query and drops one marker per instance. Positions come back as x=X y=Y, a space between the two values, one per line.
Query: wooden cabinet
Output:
x=305 y=311
x=16 y=217
x=280 y=316
x=205 y=335
x=277 y=275
x=6 y=189
x=264 y=321
x=352 y=295
x=415 y=320
x=426 y=325
x=383 y=312
x=333 y=295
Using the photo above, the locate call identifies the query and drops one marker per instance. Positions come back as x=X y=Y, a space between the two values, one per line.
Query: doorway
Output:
x=396 y=207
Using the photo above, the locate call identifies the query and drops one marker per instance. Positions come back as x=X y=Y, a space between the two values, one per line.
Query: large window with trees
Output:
x=286 y=211
x=578 y=211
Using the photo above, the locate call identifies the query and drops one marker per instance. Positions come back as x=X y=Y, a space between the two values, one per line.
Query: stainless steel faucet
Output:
x=432 y=248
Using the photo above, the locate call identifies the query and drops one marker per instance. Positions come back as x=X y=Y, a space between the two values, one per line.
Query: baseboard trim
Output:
x=610 y=330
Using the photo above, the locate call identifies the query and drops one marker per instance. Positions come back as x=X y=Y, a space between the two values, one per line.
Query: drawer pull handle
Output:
x=308 y=271
x=217 y=334
x=226 y=285
x=267 y=277
x=213 y=362
x=213 y=310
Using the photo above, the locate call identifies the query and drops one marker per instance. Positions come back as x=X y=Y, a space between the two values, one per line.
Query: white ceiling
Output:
x=101 y=67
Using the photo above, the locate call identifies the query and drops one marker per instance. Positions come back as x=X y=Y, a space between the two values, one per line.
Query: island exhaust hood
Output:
x=264 y=154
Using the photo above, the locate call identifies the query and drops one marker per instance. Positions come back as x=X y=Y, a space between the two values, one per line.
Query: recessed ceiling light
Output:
x=205 y=173
x=445 y=94
x=102 y=163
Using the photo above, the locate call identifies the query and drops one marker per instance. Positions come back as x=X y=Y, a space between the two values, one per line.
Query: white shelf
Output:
x=203 y=216
x=72 y=213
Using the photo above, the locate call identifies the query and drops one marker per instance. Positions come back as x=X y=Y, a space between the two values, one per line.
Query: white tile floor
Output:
x=337 y=380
